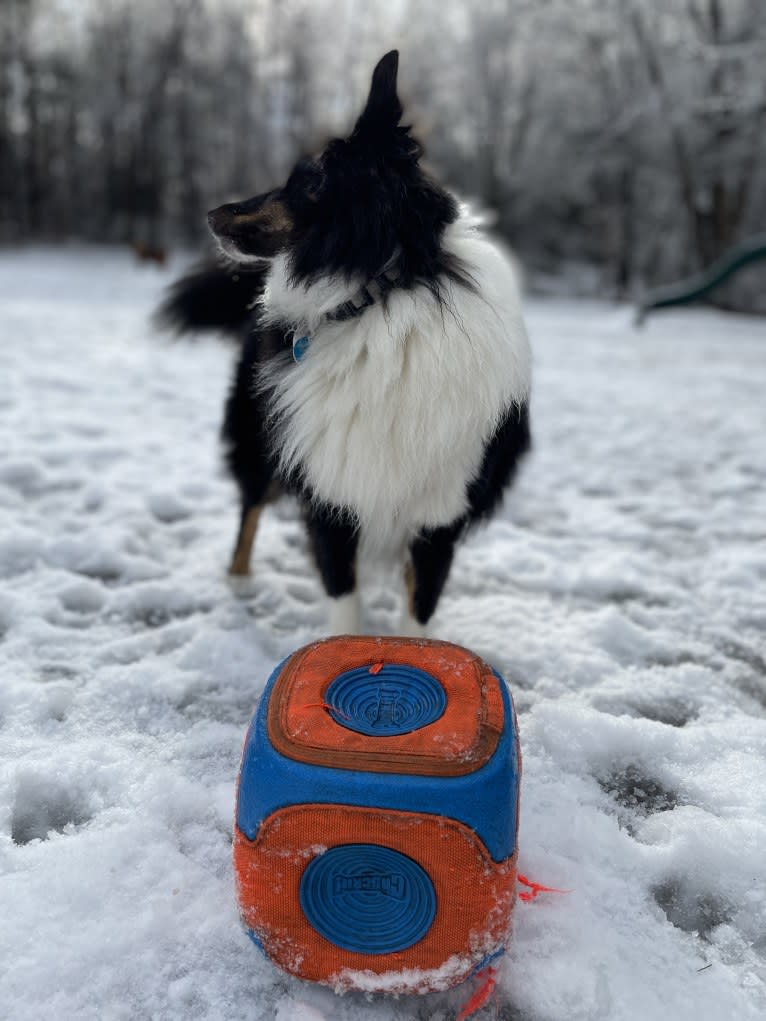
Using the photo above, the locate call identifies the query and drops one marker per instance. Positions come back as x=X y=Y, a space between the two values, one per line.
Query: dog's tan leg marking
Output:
x=240 y=561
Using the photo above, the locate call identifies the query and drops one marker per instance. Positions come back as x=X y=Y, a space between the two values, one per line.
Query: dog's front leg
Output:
x=334 y=540
x=426 y=573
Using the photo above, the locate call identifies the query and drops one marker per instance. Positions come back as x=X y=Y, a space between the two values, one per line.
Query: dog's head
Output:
x=350 y=208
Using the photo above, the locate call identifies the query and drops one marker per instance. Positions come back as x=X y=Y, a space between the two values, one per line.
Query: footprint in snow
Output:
x=690 y=909
x=82 y=597
x=44 y=805
x=674 y=712
x=637 y=795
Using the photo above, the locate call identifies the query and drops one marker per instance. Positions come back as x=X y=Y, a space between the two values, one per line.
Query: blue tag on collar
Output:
x=300 y=345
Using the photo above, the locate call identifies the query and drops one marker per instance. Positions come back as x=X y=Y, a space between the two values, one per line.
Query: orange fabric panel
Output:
x=475 y=895
x=460 y=742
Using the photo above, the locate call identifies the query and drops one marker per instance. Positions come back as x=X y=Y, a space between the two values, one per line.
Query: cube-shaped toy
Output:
x=377 y=815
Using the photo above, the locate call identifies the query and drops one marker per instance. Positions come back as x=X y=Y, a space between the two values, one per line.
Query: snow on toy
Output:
x=377 y=815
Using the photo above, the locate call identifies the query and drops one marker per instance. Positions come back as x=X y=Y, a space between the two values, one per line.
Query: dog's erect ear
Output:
x=383 y=107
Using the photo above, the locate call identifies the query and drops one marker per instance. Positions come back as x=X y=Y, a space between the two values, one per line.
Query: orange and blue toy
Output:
x=375 y=842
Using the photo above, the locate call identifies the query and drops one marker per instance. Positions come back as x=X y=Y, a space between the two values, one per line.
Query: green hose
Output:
x=692 y=288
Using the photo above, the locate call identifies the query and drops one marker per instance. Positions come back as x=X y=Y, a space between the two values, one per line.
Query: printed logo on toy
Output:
x=392 y=884
x=388 y=710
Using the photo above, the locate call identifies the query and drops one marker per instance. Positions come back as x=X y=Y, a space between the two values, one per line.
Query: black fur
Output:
x=431 y=554
x=433 y=548
x=244 y=431
x=334 y=540
x=511 y=441
x=212 y=296
x=347 y=211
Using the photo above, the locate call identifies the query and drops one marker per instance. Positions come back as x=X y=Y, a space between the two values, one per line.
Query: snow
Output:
x=621 y=593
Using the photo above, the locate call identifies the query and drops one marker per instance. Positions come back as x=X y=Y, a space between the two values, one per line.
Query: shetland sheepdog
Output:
x=384 y=371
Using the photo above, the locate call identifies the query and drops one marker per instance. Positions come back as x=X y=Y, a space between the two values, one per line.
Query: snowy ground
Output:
x=622 y=593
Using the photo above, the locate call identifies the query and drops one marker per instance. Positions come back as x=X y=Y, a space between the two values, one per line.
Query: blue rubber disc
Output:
x=396 y=700
x=368 y=898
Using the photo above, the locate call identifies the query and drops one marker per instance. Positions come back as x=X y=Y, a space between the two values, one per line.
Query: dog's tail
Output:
x=212 y=296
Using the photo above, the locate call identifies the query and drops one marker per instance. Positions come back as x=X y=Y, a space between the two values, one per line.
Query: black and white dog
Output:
x=385 y=369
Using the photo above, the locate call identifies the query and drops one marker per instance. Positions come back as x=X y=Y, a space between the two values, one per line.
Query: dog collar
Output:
x=373 y=291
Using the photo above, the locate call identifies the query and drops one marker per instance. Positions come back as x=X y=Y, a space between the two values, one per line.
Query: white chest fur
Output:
x=388 y=414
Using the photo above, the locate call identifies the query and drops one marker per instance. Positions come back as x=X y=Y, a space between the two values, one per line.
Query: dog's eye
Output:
x=306 y=180
x=314 y=187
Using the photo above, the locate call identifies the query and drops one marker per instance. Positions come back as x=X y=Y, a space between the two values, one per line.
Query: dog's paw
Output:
x=409 y=627
x=241 y=585
x=344 y=615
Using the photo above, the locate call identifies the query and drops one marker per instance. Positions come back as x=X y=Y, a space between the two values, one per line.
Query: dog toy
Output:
x=376 y=826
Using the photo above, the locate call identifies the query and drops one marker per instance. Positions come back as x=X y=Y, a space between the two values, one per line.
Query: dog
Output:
x=145 y=251
x=384 y=374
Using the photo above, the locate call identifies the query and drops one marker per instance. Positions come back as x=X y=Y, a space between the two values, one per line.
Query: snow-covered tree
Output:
x=623 y=133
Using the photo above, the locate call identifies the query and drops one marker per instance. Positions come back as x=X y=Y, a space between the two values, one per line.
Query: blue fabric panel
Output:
x=484 y=800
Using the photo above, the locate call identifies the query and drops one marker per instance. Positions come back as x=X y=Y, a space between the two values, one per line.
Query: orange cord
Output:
x=489 y=975
x=482 y=994
x=535 y=888
x=327 y=708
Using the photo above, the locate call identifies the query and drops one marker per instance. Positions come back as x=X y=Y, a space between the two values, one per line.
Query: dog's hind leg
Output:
x=248 y=527
x=426 y=573
x=244 y=436
x=240 y=560
x=334 y=540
